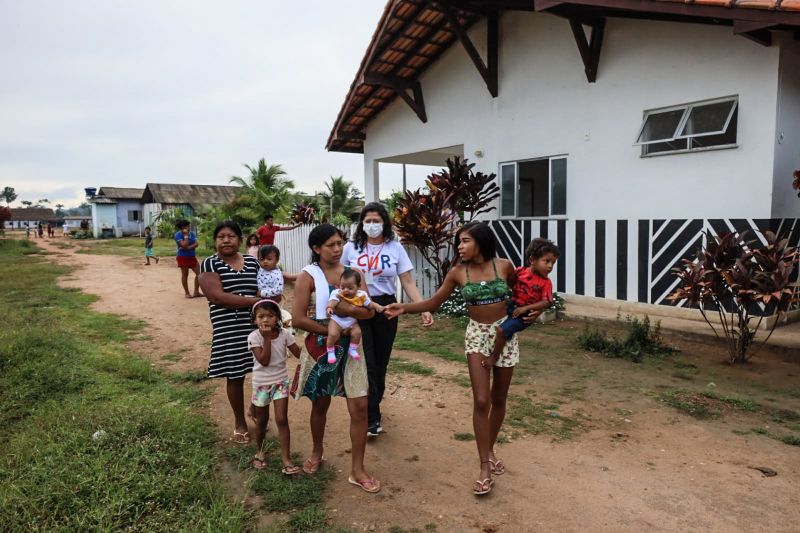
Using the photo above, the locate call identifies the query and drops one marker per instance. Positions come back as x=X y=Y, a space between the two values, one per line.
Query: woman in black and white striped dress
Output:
x=228 y=280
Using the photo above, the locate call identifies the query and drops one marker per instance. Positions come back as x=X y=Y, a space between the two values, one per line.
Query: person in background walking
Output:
x=65 y=227
x=186 y=257
x=381 y=259
x=148 y=246
x=266 y=233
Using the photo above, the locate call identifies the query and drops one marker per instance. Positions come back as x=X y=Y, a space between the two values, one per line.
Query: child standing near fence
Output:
x=532 y=291
x=269 y=344
x=148 y=246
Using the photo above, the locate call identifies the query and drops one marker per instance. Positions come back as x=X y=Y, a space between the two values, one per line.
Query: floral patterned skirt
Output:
x=346 y=377
x=479 y=338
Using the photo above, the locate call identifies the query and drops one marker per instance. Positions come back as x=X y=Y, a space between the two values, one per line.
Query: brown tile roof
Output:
x=194 y=195
x=121 y=193
x=32 y=213
x=412 y=34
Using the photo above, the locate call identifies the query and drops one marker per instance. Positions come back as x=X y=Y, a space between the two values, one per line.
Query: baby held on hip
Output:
x=342 y=325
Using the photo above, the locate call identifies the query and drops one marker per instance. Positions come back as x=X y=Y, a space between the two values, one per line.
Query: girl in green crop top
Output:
x=484 y=281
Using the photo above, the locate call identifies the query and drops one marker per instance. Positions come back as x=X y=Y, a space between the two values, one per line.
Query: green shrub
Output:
x=642 y=339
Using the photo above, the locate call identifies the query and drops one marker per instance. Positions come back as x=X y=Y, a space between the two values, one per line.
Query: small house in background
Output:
x=30 y=216
x=74 y=222
x=117 y=211
x=158 y=197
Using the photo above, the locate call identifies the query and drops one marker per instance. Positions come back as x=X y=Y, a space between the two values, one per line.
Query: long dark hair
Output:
x=484 y=238
x=320 y=236
x=360 y=237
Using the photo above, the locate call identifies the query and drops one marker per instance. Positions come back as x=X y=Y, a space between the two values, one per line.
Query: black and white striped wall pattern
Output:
x=625 y=259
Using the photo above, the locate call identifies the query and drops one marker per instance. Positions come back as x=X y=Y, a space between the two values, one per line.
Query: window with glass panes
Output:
x=534 y=188
x=688 y=127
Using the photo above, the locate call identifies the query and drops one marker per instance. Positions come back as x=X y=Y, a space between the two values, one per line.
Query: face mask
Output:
x=373 y=229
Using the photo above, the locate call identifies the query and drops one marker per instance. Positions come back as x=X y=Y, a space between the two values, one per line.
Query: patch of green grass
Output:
x=94 y=437
x=555 y=331
x=189 y=376
x=280 y=492
x=405 y=366
x=172 y=357
x=312 y=519
x=791 y=440
x=760 y=431
x=742 y=404
x=430 y=527
x=445 y=340
x=464 y=436
x=462 y=380
x=686 y=368
x=542 y=418
x=641 y=339
x=134 y=247
x=576 y=392
x=693 y=404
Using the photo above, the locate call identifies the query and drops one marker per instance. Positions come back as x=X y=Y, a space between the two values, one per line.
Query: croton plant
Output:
x=303 y=212
x=428 y=219
x=742 y=281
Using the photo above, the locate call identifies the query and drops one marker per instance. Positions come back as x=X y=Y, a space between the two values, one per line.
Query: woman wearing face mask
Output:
x=382 y=260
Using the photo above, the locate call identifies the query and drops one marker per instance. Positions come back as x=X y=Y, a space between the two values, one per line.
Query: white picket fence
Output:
x=295 y=254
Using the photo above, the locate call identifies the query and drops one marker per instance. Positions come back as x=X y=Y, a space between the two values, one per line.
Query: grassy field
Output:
x=132 y=247
x=558 y=385
x=93 y=437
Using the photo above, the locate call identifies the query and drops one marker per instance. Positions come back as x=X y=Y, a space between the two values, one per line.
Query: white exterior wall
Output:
x=546 y=107
x=785 y=202
x=103 y=216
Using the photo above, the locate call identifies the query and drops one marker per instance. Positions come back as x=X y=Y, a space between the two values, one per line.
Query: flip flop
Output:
x=370 y=485
x=290 y=470
x=310 y=466
x=240 y=438
x=485 y=487
x=259 y=464
x=188 y=296
x=498 y=467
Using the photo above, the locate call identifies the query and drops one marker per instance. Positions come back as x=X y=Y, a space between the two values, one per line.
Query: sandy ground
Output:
x=668 y=473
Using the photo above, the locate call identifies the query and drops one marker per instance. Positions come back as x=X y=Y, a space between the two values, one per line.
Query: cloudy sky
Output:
x=121 y=93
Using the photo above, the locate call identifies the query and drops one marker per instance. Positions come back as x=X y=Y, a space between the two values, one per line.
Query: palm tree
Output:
x=339 y=198
x=266 y=190
x=59 y=208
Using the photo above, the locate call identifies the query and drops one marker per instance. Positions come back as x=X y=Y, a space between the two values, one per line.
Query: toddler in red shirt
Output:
x=532 y=291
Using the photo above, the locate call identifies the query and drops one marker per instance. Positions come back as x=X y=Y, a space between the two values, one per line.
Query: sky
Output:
x=121 y=93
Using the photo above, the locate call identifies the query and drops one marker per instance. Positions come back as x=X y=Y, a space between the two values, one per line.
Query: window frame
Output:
x=687 y=109
x=515 y=164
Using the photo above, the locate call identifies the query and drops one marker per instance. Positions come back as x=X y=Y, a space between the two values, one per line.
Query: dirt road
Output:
x=668 y=473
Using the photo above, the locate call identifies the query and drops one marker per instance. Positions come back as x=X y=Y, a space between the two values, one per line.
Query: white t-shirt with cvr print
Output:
x=380 y=264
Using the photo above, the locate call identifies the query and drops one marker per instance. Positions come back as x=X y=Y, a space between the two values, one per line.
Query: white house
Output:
x=22 y=217
x=621 y=129
x=117 y=211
